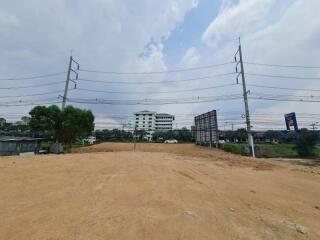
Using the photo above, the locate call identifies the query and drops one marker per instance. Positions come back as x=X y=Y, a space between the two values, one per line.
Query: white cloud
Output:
x=238 y=19
x=151 y=59
x=8 y=21
x=190 y=58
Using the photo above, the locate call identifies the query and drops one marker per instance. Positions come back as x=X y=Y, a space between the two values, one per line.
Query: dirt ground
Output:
x=107 y=191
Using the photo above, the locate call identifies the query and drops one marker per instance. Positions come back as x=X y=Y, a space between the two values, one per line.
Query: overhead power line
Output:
x=159 y=92
x=284 y=88
x=285 y=99
x=157 y=72
x=32 y=86
x=285 y=96
x=156 y=82
x=33 y=77
x=30 y=104
x=281 y=76
x=156 y=101
x=33 y=95
x=279 y=65
x=29 y=101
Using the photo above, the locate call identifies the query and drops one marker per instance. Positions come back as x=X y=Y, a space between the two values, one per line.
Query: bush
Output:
x=306 y=143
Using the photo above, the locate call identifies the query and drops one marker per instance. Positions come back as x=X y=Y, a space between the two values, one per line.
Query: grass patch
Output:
x=265 y=150
x=237 y=148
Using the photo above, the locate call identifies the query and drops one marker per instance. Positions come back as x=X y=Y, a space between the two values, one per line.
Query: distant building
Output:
x=164 y=122
x=153 y=121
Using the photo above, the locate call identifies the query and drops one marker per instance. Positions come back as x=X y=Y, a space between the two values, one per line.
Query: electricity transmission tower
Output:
x=66 y=88
x=245 y=97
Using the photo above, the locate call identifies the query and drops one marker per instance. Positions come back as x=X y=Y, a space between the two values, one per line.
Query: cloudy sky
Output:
x=155 y=38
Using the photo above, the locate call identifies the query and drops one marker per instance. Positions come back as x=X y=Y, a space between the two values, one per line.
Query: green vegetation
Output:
x=268 y=150
x=64 y=126
x=234 y=148
x=116 y=135
x=306 y=143
x=182 y=135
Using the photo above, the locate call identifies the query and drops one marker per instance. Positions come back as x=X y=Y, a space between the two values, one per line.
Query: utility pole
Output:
x=66 y=88
x=245 y=98
x=135 y=138
x=64 y=100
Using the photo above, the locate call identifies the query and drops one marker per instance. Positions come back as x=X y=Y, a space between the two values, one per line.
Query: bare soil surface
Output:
x=182 y=191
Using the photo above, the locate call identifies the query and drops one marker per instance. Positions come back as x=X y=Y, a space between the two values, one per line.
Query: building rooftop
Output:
x=145 y=112
x=164 y=114
x=17 y=139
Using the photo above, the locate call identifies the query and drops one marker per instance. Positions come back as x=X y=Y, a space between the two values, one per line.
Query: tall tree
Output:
x=76 y=123
x=46 y=119
x=65 y=125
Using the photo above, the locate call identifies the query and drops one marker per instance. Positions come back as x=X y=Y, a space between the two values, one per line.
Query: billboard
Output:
x=206 y=128
x=291 y=121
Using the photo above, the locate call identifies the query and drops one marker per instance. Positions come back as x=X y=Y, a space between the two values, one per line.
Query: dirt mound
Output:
x=190 y=150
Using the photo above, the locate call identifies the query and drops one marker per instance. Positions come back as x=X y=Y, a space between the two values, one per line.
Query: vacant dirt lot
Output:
x=158 y=192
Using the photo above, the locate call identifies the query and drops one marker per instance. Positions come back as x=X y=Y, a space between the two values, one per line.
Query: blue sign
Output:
x=291 y=121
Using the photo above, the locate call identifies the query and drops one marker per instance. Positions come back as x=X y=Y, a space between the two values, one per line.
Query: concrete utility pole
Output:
x=64 y=100
x=246 y=105
x=135 y=138
x=66 y=88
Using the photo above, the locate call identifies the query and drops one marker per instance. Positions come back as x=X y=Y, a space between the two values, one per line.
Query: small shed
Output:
x=10 y=146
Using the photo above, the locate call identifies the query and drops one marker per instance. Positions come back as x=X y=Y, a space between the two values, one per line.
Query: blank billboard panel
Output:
x=206 y=128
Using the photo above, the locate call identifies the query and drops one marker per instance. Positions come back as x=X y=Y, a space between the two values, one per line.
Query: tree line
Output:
x=182 y=135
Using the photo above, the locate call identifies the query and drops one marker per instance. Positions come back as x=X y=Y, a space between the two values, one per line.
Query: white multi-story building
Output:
x=152 y=121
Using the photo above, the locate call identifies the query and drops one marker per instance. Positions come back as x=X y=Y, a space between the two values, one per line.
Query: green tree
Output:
x=141 y=134
x=65 y=126
x=113 y=135
x=306 y=143
x=46 y=119
x=182 y=135
x=76 y=123
x=241 y=134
